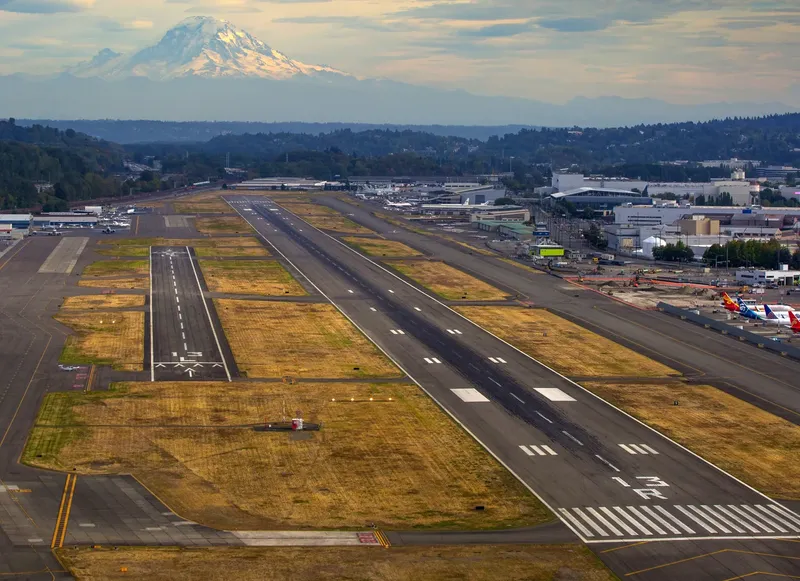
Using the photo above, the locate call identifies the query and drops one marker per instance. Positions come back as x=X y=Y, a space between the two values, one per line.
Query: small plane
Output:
x=68 y=367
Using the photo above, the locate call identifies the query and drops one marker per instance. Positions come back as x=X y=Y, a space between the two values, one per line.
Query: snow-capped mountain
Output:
x=200 y=46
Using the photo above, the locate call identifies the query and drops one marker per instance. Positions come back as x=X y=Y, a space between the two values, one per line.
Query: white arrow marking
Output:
x=191 y=372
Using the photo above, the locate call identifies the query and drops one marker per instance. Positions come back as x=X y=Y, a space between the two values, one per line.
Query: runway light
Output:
x=352 y=399
x=333 y=399
x=390 y=399
x=370 y=399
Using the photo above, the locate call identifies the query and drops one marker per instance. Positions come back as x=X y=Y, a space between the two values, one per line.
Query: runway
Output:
x=593 y=464
x=764 y=379
x=609 y=478
x=185 y=345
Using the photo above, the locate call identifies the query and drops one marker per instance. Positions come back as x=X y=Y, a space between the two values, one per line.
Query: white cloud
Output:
x=45 y=6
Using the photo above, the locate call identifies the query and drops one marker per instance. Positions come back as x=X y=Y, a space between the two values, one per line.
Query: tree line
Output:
x=751 y=253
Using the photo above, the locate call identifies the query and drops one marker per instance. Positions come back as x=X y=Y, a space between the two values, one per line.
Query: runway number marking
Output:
x=654 y=482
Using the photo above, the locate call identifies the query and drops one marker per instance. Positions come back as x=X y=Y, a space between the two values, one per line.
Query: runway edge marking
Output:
x=684 y=448
x=208 y=313
x=152 y=356
x=418 y=384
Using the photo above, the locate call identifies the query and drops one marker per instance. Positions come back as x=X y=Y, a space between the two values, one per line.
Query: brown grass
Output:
x=379 y=247
x=276 y=339
x=125 y=250
x=117 y=268
x=209 y=207
x=194 y=242
x=142 y=283
x=455 y=563
x=250 y=277
x=338 y=224
x=753 y=445
x=324 y=218
x=231 y=251
x=399 y=463
x=204 y=247
x=91 y=302
x=563 y=345
x=222 y=225
x=448 y=282
x=105 y=338
x=301 y=208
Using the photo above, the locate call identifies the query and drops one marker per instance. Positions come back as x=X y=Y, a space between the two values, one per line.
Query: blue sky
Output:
x=683 y=51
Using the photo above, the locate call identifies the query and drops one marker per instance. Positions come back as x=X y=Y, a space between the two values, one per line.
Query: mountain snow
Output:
x=200 y=46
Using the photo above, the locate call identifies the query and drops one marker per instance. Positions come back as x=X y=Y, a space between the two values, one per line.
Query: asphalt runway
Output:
x=762 y=378
x=185 y=343
x=607 y=477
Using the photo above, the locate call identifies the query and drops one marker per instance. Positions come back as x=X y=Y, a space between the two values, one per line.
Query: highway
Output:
x=608 y=477
x=185 y=345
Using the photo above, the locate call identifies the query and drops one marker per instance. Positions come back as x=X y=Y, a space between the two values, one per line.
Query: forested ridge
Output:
x=80 y=167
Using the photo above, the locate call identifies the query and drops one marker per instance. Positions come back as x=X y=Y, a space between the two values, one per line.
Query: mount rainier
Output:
x=200 y=46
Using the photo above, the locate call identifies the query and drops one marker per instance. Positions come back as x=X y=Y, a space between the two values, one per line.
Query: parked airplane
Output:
x=757 y=308
x=794 y=321
x=746 y=311
x=782 y=317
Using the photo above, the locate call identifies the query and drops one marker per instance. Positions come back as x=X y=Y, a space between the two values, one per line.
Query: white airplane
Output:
x=68 y=367
x=780 y=317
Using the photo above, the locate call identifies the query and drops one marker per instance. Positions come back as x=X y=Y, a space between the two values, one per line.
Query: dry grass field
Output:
x=753 y=445
x=447 y=282
x=117 y=268
x=277 y=339
x=133 y=283
x=456 y=563
x=230 y=251
x=195 y=242
x=222 y=225
x=250 y=277
x=336 y=223
x=204 y=247
x=202 y=207
x=104 y=338
x=304 y=209
x=379 y=247
x=124 y=250
x=400 y=463
x=92 y=302
x=563 y=345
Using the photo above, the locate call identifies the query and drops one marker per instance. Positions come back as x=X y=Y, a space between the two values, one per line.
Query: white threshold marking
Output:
x=554 y=394
x=470 y=395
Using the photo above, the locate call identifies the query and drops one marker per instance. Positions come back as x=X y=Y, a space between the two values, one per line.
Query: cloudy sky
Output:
x=683 y=51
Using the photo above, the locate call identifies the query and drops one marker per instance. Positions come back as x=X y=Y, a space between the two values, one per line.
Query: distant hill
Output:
x=145 y=131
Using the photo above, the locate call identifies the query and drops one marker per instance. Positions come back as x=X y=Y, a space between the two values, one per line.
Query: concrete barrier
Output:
x=782 y=349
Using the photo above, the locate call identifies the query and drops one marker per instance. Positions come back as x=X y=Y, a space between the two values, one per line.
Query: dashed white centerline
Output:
x=606 y=462
x=545 y=418
x=417 y=309
x=571 y=437
x=516 y=398
x=391 y=291
x=350 y=291
x=373 y=309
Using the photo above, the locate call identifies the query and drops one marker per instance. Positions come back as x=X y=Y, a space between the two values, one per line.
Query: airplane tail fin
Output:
x=770 y=314
x=795 y=322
